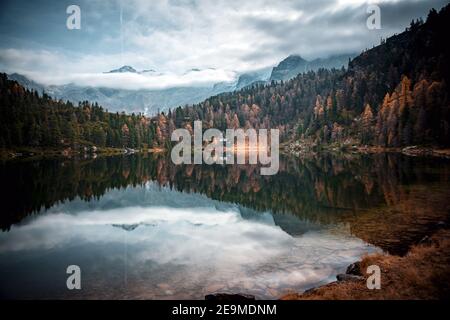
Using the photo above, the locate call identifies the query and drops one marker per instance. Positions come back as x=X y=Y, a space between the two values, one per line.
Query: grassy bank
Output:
x=423 y=273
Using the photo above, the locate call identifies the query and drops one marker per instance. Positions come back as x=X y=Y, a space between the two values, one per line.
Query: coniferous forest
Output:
x=393 y=95
x=30 y=119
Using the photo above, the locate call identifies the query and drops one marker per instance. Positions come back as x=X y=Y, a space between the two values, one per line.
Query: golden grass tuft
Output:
x=423 y=273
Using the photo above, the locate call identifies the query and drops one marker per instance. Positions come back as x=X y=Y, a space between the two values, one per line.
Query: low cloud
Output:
x=219 y=37
x=30 y=63
x=134 y=81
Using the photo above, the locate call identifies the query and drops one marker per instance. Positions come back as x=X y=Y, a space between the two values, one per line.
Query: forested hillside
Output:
x=392 y=95
x=395 y=94
x=31 y=120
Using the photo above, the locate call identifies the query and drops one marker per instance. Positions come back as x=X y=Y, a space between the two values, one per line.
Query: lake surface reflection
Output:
x=140 y=227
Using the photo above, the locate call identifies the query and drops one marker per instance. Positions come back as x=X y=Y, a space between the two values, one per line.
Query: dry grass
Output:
x=424 y=273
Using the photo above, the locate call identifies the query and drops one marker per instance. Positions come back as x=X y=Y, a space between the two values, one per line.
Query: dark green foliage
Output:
x=30 y=120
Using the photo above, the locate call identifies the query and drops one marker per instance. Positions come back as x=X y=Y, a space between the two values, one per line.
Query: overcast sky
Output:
x=219 y=37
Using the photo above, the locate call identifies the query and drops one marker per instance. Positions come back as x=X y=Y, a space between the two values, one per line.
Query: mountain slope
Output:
x=149 y=101
x=295 y=64
x=249 y=78
x=152 y=101
x=392 y=95
x=27 y=83
x=30 y=120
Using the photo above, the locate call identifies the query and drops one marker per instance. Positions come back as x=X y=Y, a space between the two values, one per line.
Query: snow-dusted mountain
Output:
x=295 y=64
x=123 y=70
x=249 y=78
x=130 y=69
x=143 y=100
x=154 y=100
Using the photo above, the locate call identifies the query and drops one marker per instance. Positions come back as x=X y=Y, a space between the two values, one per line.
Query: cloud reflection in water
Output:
x=184 y=246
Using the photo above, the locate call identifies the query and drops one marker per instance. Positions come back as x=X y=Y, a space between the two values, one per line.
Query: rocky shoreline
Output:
x=421 y=274
x=308 y=148
x=85 y=152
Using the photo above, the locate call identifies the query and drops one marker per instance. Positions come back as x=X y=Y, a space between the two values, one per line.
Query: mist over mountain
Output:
x=148 y=101
x=254 y=77
x=151 y=101
x=295 y=64
x=27 y=83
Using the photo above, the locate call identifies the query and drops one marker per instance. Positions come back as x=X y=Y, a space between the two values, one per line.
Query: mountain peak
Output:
x=295 y=57
x=295 y=64
x=123 y=69
x=292 y=61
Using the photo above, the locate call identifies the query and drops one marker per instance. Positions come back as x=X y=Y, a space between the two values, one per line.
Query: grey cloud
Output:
x=331 y=31
x=177 y=35
x=401 y=13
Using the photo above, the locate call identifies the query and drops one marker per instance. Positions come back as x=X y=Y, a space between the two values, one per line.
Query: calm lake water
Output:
x=140 y=227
